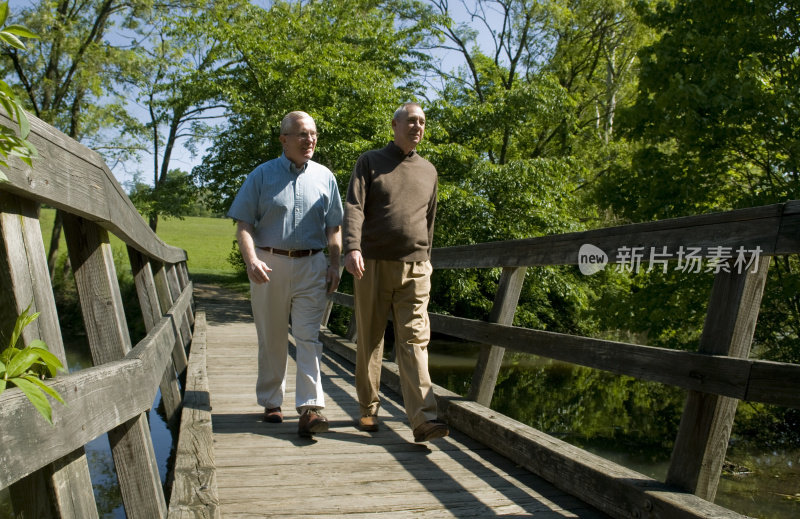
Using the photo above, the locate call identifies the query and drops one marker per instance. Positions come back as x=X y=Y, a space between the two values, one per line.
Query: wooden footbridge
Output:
x=200 y=352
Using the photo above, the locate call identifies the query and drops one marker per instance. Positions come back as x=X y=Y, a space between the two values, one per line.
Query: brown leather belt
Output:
x=294 y=253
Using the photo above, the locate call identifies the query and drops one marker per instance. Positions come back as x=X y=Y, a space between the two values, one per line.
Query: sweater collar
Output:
x=394 y=149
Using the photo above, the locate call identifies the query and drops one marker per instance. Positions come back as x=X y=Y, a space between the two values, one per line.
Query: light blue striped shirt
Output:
x=289 y=208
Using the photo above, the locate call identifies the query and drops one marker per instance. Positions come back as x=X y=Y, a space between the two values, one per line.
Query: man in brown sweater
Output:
x=388 y=235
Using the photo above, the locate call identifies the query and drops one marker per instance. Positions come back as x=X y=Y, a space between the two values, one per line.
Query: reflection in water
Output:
x=98 y=453
x=629 y=422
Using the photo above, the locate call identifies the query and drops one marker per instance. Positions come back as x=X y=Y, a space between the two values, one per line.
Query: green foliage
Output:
x=11 y=143
x=718 y=111
x=68 y=78
x=713 y=127
x=174 y=197
x=345 y=63
x=25 y=368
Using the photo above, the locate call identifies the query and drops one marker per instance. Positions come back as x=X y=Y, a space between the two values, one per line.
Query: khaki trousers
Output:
x=296 y=291
x=404 y=288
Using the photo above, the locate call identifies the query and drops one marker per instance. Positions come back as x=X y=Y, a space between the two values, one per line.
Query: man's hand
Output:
x=332 y=278
x=258 y=271
x=354 y=263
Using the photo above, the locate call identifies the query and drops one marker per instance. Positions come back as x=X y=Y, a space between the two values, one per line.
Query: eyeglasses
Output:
x=304 y=135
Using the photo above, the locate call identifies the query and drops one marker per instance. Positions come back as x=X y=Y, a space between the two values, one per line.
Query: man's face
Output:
x=299 y=144
x=409 y=128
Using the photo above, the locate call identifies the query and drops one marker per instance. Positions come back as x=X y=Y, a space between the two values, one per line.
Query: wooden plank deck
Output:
x=267 y=470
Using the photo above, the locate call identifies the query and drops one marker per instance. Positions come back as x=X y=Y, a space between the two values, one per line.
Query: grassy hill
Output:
x=207 y=241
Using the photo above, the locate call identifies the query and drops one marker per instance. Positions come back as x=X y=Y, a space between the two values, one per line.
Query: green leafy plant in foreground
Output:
x=10 y=143
x=25 y=368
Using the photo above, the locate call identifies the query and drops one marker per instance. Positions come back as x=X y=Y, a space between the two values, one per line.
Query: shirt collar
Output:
x=290 y=165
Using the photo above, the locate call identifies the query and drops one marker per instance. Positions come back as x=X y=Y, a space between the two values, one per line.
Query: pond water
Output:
x=98 y=453
x=626 y=421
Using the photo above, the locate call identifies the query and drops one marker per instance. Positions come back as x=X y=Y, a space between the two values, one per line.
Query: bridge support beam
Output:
x=484 y=378
x=707 y=419
x=151 y=314
x=63 y=488
x=109 y=340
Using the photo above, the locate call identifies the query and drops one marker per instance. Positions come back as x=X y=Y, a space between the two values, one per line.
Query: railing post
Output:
x=63 y=488
x=490 y=359
x=183 y=278
x=166 y=299
x=107 y=332
x=175 y=290
x=707 y=419
x=151 y=313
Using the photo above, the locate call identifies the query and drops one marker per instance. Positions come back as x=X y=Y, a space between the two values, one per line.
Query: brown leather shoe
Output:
x=273 y=415
x=430 y=430
x=368 y=423
x=311 y=422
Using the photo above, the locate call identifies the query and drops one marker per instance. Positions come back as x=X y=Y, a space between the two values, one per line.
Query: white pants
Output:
x=297 y=289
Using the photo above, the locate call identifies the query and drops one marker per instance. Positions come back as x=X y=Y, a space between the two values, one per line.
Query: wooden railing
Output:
x=45 y=465
x=716 y=376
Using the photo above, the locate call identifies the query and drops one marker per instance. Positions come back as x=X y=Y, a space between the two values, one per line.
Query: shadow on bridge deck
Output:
x=266 y=469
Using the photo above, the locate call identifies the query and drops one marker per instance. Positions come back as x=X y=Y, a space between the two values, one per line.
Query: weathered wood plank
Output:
x=63 y=487
x=744 y=379
x=107 y=332
x=748 y=228
x=151 y=314
x=194 y=489
x=72 y=177
x=97 y=398
x=175 y=288
x=611 y=488
x=490 y=359
x=707 y=420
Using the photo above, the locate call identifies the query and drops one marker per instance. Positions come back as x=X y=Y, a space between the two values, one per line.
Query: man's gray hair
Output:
x=403 y=109
x=289 y=120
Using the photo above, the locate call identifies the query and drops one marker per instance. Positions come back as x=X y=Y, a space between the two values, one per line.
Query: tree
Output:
x=63 y=77
x=178 y=78
x=345 y=63
x=714 y=127
x=520 y=130
x=716 y=116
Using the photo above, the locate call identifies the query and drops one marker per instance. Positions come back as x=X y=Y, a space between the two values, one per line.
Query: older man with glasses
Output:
x=287 y=211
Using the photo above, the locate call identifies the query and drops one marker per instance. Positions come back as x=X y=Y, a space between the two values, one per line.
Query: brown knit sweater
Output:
x=390 y=206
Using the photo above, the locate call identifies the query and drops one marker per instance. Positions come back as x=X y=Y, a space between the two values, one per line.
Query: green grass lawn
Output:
x=207 y=241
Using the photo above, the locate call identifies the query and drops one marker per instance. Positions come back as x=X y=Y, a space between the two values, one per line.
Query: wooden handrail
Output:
x=112 y=397
x=69 y=176
x=717 y=376
x=775 y=229
x=750 y=380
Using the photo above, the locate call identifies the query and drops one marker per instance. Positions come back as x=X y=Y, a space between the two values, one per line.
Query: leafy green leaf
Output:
x=3 y=13
x=22 y=119
x=36 y=396
x=50 y=360
x=20 y=30
x=12 y=40
x=21 y=362
x=23 y=320
x=44 y=387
